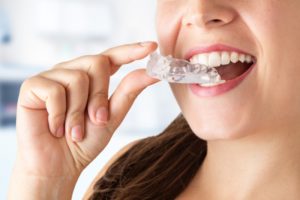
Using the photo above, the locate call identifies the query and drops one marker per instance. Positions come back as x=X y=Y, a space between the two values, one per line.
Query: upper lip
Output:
x=212 y=48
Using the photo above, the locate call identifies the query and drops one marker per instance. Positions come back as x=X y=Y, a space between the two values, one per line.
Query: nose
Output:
x=207 y=14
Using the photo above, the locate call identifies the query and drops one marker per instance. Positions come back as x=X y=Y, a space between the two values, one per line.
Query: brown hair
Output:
x=157 y=167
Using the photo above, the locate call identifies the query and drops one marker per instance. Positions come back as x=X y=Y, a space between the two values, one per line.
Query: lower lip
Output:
x=201 y=91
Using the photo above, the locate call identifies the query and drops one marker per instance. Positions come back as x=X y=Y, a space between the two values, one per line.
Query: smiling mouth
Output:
x=229 y=64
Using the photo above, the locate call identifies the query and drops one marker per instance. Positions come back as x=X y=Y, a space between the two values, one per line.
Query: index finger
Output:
x=100 y=67
x=128 y=53
x=115 y=57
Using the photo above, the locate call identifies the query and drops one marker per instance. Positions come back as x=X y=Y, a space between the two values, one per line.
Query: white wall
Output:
x=132 y=20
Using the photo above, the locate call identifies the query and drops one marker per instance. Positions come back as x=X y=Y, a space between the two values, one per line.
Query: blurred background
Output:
x=36 y=34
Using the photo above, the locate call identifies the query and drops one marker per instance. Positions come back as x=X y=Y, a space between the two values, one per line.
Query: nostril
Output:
x=216 y=21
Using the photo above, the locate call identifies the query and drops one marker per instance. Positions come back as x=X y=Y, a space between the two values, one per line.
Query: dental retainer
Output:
x=181 y=71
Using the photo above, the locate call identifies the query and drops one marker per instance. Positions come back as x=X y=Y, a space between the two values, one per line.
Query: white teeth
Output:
x=203 y=59
x=214 y=59
x=242 y=58
x=212 y=84
x=194 y=60
x=225 y=58
x=234 y=57
x=248 y=59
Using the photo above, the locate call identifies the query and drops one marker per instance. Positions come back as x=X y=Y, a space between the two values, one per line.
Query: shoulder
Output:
x=108 y=164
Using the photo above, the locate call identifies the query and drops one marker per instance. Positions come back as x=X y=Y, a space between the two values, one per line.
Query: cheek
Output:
x=275 y=26
x=168 y=23
x=278 y=34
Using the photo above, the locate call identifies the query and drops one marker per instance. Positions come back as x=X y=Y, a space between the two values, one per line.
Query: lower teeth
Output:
x=212 y=84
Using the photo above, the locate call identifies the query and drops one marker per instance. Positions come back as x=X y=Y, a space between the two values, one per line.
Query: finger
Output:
x=77 y=85
x=98 y=70
x=100 y=67
x=125 y=94
x=115 y=57
x=39 y=93
x=98 y=97
x=128 y=53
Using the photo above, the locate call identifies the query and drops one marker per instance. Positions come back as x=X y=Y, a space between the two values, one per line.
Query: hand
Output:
x=64 y=116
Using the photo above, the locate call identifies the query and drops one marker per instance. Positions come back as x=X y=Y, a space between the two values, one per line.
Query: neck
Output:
x=256 y=166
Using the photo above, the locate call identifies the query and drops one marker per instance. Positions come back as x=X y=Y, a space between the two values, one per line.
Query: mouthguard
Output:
x=176 y=70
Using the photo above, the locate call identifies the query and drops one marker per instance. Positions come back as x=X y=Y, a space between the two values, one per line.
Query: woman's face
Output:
x=268 y=98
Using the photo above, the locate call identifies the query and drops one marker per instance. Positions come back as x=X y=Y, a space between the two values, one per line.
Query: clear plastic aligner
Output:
x=181 y=71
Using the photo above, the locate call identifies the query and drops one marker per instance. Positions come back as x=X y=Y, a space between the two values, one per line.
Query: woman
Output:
x=237 y=140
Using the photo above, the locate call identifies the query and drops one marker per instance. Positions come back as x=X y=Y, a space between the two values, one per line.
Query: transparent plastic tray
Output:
x=181 y=71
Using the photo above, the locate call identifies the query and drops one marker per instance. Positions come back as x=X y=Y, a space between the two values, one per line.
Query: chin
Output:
x=220 y=130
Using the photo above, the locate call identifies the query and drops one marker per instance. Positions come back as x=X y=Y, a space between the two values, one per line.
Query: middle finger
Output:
x=77 y=86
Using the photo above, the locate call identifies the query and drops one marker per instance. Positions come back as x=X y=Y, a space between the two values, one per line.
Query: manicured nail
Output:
x=60 y=131
x=76 y=133
x=102 y=115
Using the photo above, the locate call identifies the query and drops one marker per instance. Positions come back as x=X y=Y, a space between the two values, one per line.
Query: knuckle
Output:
x=80 y=77
x=25 y=83
x=75 y=116
x=128 y=95
x=56 y=90
x=101 y=95
x=131 y=96
x=24 y=87
x=98 y=60
x=57 y=116
x=28 y=82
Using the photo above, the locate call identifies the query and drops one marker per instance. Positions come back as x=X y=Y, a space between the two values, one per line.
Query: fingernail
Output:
x=76 y=133
x=146 y=44
x=60 y=131
x=102 y=114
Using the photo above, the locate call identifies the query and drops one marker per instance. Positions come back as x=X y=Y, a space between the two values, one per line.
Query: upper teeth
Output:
x=216 y=59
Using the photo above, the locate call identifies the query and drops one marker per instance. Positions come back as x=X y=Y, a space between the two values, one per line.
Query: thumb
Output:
x=125 y=94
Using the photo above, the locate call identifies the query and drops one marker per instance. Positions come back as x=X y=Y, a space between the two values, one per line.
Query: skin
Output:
x=252 y=131
x=53 y=103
